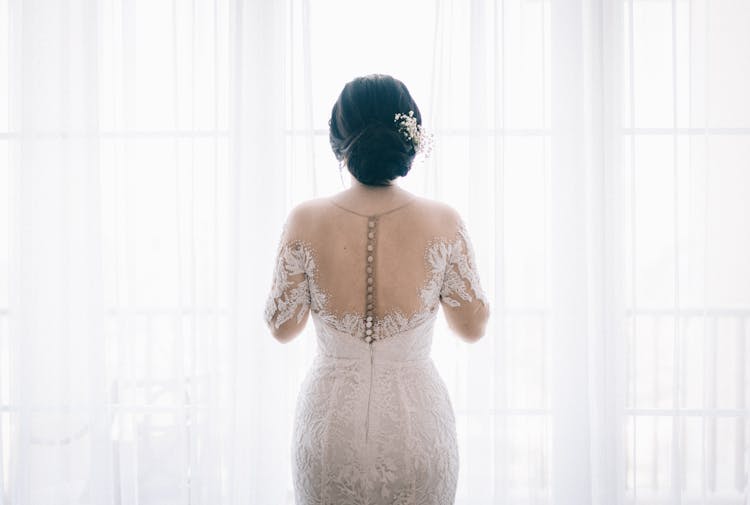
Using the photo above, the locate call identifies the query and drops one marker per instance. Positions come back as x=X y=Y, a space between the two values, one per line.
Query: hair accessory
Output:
x=420 y=140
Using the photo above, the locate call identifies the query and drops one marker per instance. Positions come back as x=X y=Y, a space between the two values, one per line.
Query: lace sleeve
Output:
x=290 y=292
x=461 y=277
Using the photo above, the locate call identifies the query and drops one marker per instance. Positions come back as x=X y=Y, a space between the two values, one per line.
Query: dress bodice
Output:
x=373 y=280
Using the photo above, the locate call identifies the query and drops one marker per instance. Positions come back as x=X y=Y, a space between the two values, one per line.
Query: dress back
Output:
x=373 y=423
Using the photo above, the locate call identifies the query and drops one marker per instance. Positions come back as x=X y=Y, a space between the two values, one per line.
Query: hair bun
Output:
x=378 y=153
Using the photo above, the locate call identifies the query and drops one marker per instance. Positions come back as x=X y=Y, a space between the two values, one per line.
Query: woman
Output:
x=374 y=423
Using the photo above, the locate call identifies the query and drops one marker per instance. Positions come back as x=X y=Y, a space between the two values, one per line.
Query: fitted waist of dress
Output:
x=376 y=360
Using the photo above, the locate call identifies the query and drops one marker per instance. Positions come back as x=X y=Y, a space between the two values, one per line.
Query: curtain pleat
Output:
x=58 y=421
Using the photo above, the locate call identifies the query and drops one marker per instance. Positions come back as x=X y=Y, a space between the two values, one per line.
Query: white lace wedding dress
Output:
x=374 y=423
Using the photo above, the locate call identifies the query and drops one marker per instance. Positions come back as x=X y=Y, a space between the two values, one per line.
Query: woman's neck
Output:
x=357 y=186
x=372 y=198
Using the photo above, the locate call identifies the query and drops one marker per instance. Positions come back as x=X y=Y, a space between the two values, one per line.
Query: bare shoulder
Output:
x=308 y=208
x=439 y=214
x=305 y=216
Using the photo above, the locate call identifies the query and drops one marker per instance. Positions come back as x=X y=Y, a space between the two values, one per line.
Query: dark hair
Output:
x=363 y=133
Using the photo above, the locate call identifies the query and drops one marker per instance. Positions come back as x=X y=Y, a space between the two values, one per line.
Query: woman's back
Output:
x=387 y=259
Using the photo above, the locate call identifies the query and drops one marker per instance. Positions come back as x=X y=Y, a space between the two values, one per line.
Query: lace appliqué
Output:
x=288 y=296
x=461 y=268
x=450 y=265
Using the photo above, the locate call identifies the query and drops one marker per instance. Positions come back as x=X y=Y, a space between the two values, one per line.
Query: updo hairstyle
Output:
x=363 y=134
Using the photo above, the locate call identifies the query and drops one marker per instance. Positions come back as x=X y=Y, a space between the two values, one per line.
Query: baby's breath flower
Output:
x=408 y=127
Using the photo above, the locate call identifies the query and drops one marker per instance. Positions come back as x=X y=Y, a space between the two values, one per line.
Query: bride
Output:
x=371 y=265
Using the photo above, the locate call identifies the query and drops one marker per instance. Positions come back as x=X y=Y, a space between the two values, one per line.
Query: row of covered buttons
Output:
x=370 y=282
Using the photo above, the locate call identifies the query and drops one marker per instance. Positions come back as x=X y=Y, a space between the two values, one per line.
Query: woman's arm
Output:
x=464 y=302
x=288 y=302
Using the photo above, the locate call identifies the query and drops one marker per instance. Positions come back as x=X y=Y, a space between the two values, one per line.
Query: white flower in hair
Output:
x=407 y=125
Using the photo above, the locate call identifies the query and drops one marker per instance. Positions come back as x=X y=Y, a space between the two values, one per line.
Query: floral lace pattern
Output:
x=462 y=258
x=287 y=296
x=453 y=274
x=375 y=426
x=411 y=455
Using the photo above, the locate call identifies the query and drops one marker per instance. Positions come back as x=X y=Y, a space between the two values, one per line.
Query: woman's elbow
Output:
x=474 y=330
x=282 y=335
x=287 y=331
x=471 y=334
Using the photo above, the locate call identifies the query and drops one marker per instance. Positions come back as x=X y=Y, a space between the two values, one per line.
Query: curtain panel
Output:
x=597 y=150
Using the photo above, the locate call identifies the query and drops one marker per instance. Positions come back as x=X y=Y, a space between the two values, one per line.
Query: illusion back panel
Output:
x=384 y=252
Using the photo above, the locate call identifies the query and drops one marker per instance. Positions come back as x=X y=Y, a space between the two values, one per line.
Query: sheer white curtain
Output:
x=596 y=148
